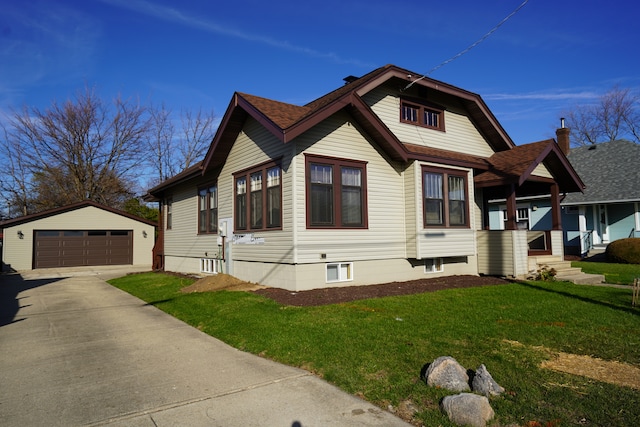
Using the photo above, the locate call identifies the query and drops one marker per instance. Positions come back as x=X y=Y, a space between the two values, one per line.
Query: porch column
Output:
x=511 y=207
x=556 y=221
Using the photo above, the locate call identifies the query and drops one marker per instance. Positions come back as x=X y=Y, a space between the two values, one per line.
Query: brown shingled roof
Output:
x=420 y=152
x=516 y=165
x=281 y=114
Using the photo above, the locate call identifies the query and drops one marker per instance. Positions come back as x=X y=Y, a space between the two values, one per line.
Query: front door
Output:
x=603 y=223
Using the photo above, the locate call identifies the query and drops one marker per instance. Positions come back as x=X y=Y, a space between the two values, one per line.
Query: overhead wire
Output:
x=480 y=40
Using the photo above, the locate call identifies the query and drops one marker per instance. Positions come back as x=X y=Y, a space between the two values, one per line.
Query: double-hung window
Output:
x=336 y=193
x=445 y=198
x=419 y=114
x=208 y=209
x=258 y=198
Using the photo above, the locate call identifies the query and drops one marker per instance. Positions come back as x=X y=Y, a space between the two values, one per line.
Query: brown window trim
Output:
x=169 y=213
x=246 y=174
x=422 y=107
x=445 y=194
x=336 y=163
x=207 y=230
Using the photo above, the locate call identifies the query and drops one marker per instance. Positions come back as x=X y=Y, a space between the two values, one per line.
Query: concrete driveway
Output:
x=76 y=351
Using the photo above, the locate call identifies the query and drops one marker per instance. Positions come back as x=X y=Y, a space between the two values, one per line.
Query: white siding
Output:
x=541 y=170
x=460 y=133
x=253 y=147
x=413 y=209
x=439 y=242
x=18 y=253
x=384 y=238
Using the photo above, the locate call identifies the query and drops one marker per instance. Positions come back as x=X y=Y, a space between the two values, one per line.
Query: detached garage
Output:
x=82 y=234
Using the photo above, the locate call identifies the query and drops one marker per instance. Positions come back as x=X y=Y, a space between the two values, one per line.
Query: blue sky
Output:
x=548 y=57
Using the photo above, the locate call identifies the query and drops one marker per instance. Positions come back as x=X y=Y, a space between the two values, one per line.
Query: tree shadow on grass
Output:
x=629 y=309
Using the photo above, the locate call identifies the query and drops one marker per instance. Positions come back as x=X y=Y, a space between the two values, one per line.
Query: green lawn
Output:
x=376 y=348
x=613 y=273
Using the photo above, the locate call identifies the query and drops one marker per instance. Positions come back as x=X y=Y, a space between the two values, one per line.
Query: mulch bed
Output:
x=337 y=295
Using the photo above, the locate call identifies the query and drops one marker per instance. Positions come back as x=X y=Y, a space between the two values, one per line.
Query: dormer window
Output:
x=419 y=114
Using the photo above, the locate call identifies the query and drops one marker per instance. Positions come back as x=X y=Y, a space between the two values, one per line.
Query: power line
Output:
x=483 y=38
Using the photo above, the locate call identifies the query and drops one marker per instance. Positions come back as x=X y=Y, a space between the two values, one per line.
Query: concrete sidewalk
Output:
x=77 y=351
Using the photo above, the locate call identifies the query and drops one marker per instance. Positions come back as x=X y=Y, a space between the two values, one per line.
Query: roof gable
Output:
x=287 y=121
x=69 y=208
x=517 y=165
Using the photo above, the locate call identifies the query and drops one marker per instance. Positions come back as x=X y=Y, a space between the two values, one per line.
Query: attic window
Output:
x=423 y=115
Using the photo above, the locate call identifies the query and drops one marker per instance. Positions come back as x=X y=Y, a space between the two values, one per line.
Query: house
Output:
x=609 y=208
x=386 y=178
x=81 y=234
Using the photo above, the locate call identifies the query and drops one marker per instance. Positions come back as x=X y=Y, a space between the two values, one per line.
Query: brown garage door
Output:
x=71 y=248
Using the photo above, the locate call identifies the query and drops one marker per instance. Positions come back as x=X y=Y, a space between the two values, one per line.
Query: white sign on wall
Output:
x=247 y=239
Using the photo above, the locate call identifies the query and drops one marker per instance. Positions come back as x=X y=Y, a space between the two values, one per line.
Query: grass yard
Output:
x=376 y=348
x=623 y=274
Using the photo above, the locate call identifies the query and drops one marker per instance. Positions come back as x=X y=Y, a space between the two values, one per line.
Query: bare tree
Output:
x=616 y=115
x=175 y=151
x=161 y=143
x=198 y=130
x=82 y=149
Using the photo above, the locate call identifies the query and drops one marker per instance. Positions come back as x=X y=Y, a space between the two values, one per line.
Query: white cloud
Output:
x=543 y=96
x=174 y=15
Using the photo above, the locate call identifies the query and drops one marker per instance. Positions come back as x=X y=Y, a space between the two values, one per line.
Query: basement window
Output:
x=339 y=272
x=433 y=265
x=209 y=265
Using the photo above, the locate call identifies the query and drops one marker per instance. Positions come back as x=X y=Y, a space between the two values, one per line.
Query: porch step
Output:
x=566 y=273
x=581 y=278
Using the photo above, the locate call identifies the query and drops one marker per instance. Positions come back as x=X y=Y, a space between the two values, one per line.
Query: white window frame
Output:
x=345 y=271
x=433 y=265
x=209 y=265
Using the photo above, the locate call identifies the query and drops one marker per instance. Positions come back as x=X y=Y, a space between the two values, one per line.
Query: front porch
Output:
x=517 y=253
x=514 y=253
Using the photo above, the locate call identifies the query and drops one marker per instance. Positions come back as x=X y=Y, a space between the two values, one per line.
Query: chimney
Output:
x=562 y=136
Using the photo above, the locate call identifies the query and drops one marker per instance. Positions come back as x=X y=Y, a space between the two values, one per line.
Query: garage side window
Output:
x=208 y=210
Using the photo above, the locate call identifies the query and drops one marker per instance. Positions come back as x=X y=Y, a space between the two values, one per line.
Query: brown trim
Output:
x=207 y=219
x=336 y=164
x=422 y=108
x=246 y=174
x=304 y=118
x=556 y=221
x=512 y=220
x=69 y=208
x=168 y=211
x=445 y=194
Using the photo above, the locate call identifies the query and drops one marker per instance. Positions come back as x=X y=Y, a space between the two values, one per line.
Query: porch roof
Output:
x=516 y=166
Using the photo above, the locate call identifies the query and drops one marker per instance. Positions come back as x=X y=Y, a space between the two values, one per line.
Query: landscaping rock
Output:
x=467 y=409
x=484 y=383
x=445 y=372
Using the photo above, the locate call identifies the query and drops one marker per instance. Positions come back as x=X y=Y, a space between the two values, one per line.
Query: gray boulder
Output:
x=484 y=383
x=445 y=372
x=467 y=409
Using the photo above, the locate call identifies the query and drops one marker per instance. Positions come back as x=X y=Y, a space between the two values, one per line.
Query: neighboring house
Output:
x=609 y=208
x=387 y=178
x=81 y=234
